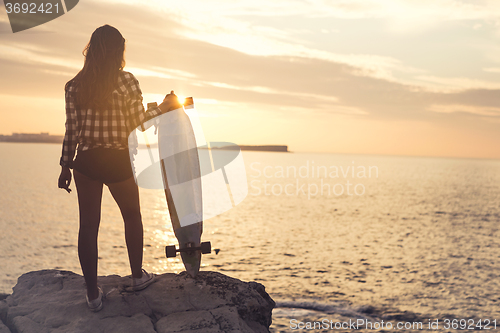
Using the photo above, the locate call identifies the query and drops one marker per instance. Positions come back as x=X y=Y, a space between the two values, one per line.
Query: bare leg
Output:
x=89 y=202
x=126 y=195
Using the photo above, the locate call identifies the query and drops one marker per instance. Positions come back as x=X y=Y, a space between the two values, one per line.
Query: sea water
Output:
x=333 y=238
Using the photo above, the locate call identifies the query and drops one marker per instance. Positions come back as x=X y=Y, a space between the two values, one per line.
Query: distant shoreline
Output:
x=274 y=148
x=45 y=137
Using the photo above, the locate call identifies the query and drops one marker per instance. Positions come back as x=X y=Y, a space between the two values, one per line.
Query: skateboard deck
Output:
x=180 y=168
x=172 y=164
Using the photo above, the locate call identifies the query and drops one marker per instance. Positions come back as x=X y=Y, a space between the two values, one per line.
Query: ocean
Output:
x=341 y=242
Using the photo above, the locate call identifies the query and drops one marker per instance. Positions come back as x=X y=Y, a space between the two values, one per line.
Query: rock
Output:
x=54 y=301
x=3 y=328
x=3 y=312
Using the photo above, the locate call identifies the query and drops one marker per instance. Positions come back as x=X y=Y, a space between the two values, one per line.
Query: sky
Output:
x=397 y=77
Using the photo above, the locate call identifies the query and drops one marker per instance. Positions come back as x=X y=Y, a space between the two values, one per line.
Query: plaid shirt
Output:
x=110 y=128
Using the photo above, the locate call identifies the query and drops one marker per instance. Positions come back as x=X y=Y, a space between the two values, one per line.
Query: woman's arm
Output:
x=137 y=115
x=70 y=137
x=69 y=143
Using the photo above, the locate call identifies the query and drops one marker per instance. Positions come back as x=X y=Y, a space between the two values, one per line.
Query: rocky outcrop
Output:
x=54 y=301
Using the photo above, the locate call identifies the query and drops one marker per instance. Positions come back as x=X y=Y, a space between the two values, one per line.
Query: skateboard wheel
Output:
x=171 y=251
x=206 y=247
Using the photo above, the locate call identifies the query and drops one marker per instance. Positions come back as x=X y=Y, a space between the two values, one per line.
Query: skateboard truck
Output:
x=205 y=247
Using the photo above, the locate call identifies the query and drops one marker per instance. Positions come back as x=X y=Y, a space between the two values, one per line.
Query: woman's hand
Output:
x=65 y=179
x=170 y=102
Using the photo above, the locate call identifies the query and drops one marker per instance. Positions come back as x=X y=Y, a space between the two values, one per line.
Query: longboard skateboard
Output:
x=180 y=170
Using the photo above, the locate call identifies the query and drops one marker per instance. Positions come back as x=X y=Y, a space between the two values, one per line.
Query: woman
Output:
x=103 y=106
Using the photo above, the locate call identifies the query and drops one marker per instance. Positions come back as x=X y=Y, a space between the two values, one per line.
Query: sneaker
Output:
x=95 y=304
x=143 y=282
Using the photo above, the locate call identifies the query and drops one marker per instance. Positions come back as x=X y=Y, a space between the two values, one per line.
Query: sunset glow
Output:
x=372 y=77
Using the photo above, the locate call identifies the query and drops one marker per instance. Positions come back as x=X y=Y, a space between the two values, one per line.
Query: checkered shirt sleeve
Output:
x=135 y=112
x=69 y=143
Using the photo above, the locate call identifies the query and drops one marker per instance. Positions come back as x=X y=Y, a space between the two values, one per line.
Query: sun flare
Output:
x=181 y=99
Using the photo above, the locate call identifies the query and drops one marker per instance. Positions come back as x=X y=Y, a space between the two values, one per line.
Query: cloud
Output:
x=455 y=84
x=313 y=80
x=475 y=110
x=233 y=26
x=32 y=54
x=346 y=9
x=492 y=70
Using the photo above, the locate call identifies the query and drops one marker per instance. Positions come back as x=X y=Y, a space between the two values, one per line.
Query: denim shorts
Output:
x=106 y=165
